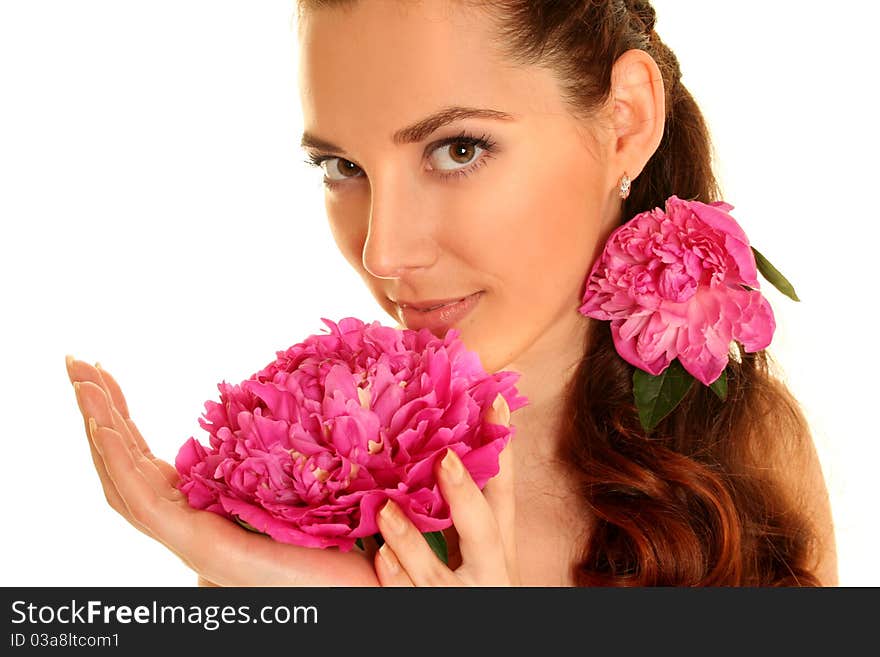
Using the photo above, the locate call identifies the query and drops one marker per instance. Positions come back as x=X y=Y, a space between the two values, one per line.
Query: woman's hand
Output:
x=485 y=551
x=143 y=489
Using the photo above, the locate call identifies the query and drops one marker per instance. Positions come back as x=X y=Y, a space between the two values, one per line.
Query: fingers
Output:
x=81 y=371
x=133 y=487
x=142 y=488
x=483 y=555
x=165 y=515
x=411 y=550
x=91 y=396
x=500 y=411
x=95 y=404
x=389 y=570
x=110 y=493
x=118 y=457
x=112 y=411
x=113 y=390
x=150 y=507
x=484 y=520
x=500 y=496
x=499 y=491
x=111 y=387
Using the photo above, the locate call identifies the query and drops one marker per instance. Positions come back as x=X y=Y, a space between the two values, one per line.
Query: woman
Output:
x=481 y=150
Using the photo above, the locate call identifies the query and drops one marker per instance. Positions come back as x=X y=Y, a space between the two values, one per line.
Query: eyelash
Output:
x=484 y=142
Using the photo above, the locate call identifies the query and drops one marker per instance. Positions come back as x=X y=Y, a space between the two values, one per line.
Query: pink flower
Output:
x=680 y=284
x=310 y=447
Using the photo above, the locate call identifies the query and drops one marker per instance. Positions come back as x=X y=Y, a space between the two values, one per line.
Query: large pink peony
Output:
x=309 y=448
x=680 y=284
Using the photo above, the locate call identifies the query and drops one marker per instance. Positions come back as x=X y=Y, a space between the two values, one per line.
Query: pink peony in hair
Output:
x=680 y=284
x=309 y=448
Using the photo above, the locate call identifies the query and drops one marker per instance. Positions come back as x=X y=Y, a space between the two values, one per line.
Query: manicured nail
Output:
x=83 y=406
x=452 y=467
x=392 y=517
x=389 y=559
x=502 y=409
x=93 y=429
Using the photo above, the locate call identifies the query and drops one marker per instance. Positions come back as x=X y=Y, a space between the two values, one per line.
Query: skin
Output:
x=525 y=227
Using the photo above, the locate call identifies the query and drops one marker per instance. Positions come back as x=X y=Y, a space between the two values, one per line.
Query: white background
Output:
x=156 y=217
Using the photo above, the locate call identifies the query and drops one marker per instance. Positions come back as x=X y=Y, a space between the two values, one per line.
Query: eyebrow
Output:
x=420 y=129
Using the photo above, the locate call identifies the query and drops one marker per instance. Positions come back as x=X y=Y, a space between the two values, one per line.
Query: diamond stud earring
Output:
x=625 y=183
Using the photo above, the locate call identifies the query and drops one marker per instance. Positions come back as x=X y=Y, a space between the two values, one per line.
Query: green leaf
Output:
x=657 y=396
x=774 y=276
x=719 y=385
x=376 y=537
x=437 y=541
x=247 y=526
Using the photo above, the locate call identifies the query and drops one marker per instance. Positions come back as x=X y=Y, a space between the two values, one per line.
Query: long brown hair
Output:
x=693 y=503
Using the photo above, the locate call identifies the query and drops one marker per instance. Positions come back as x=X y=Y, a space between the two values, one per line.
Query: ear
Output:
x=638 y=114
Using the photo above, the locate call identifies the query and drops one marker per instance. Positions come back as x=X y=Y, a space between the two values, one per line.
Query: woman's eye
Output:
x=445 y=157
x=455 y=155
x=337 y=166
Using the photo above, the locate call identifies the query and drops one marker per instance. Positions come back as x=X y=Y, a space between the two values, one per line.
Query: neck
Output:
x=546 y=371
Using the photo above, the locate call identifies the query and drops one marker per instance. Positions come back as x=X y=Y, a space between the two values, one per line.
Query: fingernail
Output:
x=392 y=517
x=79 y=398
x=93 y=429
x=452 y=467
x=500 y=406
x=98 y=365
x=69 y=360
x=389 y=559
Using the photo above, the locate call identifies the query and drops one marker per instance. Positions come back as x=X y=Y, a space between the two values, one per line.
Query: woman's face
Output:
x=519 y=217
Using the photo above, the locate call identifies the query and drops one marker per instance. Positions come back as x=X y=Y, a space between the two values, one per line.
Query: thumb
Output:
x=499 y=491
x=500 y=411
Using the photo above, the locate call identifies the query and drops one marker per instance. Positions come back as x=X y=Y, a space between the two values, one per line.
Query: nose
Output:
x=400 y=235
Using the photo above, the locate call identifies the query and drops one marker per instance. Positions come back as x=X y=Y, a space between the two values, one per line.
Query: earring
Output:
x=625 y=183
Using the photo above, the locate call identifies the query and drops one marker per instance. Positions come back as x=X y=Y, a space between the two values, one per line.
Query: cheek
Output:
x=540 y=230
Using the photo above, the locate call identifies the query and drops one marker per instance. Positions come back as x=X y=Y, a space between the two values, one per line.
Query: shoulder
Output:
x=795 y=465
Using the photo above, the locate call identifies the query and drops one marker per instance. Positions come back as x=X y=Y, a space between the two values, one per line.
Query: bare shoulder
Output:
x=798 y=469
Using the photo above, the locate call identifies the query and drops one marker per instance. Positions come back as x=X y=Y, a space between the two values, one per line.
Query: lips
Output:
x=431 y=304
x=437 y=315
